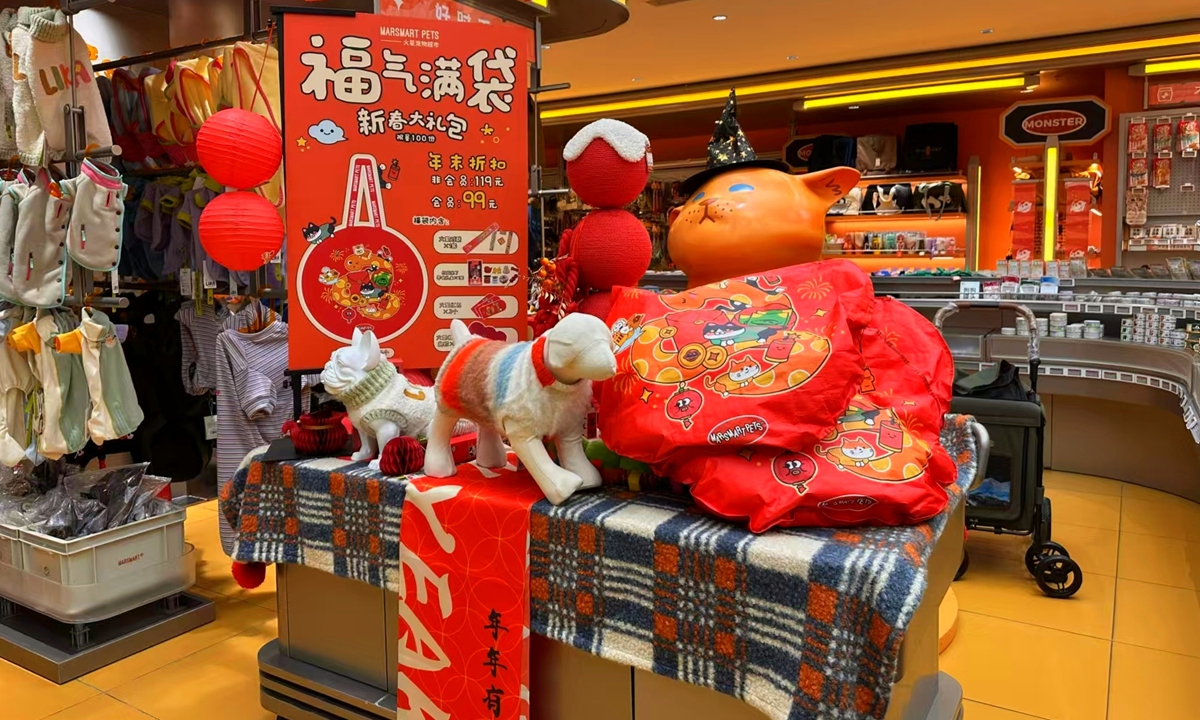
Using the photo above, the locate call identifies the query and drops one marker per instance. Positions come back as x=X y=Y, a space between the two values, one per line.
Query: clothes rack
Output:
x=256 y=36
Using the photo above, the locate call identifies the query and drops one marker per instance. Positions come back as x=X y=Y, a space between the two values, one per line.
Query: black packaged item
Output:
x=888 y=199
x=830 y=151
x=938 y=198
x=877 y=154
x=931 y=147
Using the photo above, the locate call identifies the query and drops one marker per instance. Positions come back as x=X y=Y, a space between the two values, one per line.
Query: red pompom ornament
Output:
x=401 y=456
x=608 y=163
x=239 y=149
x=612 y=247
x=241 y=230
x=249 y=575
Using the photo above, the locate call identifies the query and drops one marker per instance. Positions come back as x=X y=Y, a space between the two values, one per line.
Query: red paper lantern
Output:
x=241 y=230
x=239 y=149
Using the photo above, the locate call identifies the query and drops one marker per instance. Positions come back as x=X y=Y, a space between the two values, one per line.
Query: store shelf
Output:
x=1155 y=249
x=910 y=177
x=885 y=254
x=907 y=215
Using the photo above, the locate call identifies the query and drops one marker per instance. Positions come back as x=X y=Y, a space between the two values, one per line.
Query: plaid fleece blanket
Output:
x=801 y=624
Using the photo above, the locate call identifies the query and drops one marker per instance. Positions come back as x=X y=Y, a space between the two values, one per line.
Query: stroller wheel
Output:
x=962 y=567
x=1040 y=551
x=1059 y=576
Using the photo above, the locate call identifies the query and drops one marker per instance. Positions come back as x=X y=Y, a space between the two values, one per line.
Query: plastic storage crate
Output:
x=99 y=576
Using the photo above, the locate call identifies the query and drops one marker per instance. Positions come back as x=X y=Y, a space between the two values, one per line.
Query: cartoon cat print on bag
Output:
x=741 y=372
x=873 y=443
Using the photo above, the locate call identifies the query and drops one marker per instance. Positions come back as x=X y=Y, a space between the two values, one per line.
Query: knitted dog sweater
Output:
x=42 y=79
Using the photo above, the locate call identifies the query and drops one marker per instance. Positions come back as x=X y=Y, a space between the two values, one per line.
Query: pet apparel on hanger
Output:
x=63 y=397
x=11 y=194
x=115 y=410
x=17 y=383
x=98 y=200
x=41 y=51
x=39 y=276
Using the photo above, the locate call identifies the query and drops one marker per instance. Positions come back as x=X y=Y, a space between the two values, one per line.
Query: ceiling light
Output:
x=1029 y=89
x=720 y=18
x=986 y=31
x=545 y=47
x=637 y=80
x=719 y=95
x=910 y=91
x=1174 y=65
x=792 y=57
x=853 y=107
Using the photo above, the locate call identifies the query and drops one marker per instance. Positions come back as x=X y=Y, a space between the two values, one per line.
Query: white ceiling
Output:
x=679 y=43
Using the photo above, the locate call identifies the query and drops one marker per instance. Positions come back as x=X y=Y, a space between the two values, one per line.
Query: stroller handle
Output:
x=1034 y=341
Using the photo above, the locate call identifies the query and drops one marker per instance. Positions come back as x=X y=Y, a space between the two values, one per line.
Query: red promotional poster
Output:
x=1025 y=218
x=464 y=601
x=406 y=157
x=1077 y=227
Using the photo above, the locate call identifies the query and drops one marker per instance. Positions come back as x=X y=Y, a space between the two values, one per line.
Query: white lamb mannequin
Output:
x=526 y=392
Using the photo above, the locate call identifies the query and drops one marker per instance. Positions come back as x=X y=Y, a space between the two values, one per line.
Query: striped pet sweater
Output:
x=482 y=378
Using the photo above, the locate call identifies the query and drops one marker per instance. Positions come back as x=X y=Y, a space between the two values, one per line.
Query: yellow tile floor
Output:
x=1127 y=647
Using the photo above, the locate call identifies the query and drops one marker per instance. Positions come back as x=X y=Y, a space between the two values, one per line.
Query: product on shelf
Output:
x=1139 y=137
x=1163 y=135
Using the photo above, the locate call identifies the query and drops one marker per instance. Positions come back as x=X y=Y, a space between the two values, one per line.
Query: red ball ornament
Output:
x=401 y=456
x=249 y=575
x=241 y=230
x=239 y=149
x=612 y=247
x=608 y=163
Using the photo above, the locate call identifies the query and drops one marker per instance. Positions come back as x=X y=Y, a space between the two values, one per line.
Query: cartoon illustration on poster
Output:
x=406 y=159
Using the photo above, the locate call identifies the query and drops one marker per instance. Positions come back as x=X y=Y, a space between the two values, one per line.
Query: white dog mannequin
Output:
x=526 y=392
x=382 y=404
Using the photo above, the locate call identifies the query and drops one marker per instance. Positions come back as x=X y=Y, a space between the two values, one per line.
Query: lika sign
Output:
x=1076 y=121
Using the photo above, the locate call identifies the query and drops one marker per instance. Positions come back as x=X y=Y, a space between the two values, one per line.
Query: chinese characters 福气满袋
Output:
x=493 y=79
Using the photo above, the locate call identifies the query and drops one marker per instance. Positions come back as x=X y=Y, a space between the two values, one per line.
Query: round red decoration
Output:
x=241 y=230
x=612 y=247
x=602 y=178
x=249 y=575
x=401 y=456
x=239 y=149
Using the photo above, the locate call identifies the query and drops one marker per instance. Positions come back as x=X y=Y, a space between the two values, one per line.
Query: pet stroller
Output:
x=1011 y=499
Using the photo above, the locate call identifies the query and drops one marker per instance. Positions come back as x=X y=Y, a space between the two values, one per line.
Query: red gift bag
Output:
x=769 y=359
x=880 y=463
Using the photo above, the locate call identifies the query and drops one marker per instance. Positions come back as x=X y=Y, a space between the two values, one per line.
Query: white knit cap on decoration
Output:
x=629 y=142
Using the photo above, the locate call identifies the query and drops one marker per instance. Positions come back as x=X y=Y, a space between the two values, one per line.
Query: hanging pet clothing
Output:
x=39 y=274
x=115 y=410
x=159 y=107
x=10 y=198
x=41 y=46
x=63 y=400
x=94 y=233
x=17 y=383
x=249 y=80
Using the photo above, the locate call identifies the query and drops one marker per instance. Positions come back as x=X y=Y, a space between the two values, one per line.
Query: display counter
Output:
x=1124 y=410
x=336 y=655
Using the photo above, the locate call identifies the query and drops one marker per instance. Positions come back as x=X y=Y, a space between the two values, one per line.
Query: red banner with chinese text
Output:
x=1025 y=219
x=406 y=162
x=1077 y=226
x=464 y=598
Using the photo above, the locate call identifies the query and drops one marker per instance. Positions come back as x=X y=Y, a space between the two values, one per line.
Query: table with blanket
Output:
x=796 y=623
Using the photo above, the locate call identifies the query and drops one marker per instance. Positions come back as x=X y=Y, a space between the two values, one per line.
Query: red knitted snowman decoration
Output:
x=608 y=164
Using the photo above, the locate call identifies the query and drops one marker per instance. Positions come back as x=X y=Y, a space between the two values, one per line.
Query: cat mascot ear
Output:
x=831 y=185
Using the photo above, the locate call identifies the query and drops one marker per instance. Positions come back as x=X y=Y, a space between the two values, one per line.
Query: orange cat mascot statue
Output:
x=745 y=216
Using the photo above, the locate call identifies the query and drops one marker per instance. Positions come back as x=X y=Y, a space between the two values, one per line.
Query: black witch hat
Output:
x=728 y=150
